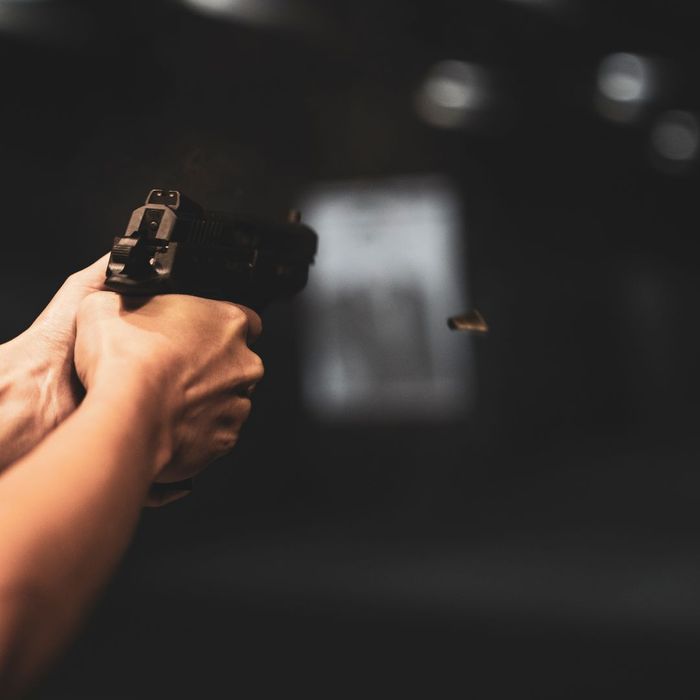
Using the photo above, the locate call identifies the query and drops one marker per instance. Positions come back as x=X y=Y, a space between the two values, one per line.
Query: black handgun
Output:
x=171 y=245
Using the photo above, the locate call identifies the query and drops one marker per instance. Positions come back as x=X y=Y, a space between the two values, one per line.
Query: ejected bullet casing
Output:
x=472 y=321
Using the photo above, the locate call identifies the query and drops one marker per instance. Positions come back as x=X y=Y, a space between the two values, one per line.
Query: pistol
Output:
x=172 y=245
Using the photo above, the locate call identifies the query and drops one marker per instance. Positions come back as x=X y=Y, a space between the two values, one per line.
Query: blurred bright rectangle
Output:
x=390 y=270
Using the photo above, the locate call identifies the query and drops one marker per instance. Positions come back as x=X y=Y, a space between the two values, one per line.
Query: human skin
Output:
x=168 y=383
x=38 y=385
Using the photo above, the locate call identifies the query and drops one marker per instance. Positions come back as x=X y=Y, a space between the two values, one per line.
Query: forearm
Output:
x=67 y=512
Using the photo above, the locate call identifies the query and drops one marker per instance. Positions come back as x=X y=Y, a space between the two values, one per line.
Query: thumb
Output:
x=92 y=277
x=58 y=318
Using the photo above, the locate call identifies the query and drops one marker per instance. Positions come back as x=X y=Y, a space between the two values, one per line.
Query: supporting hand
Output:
x=38 y=385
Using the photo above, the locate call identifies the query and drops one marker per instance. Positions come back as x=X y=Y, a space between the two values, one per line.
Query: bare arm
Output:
x=167 y=391
x=67 y=513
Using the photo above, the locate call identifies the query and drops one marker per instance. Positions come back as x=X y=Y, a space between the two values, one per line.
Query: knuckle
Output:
x=255 y=325
x=225 y=442
x=237 y=412
x=247 y=322
x=237 y=316
x=256 y=368
x=240 y=410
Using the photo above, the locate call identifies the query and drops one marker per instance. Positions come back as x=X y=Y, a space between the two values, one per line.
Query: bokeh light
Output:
x=18 y=14
x=252 y=11
x=454 y=94
x=675 y=139
x=626 y=83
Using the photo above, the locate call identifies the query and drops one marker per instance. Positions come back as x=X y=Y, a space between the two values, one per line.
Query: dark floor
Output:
x=561 y=600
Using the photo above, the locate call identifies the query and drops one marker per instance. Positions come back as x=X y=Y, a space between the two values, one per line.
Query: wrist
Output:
x=141 y=401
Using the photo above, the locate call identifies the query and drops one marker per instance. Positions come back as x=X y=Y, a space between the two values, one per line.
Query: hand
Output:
x=38 y=385
x=192 y=352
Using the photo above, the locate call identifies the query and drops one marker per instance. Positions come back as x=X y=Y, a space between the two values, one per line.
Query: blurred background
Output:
x=409 y=509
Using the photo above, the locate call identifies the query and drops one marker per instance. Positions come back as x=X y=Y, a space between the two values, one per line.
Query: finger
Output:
x=93 y=276
x=59 y=313
x=160 y=494
x=244 y=390
x=160 y=500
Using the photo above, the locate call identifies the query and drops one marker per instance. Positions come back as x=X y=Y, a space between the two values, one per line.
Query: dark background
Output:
x=546 y=545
